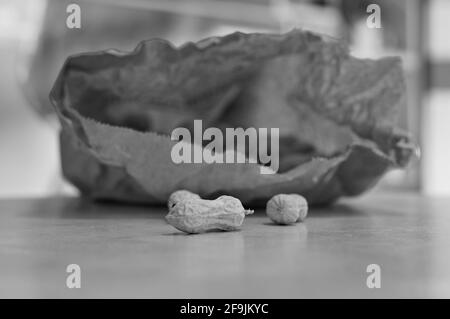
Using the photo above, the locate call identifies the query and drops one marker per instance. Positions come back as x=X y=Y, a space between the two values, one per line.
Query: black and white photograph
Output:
x=224 y=154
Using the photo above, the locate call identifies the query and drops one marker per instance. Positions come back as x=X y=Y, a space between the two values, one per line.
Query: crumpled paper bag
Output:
x=336 y=114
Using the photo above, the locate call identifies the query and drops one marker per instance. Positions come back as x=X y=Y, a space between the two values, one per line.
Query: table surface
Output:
x=129 y=251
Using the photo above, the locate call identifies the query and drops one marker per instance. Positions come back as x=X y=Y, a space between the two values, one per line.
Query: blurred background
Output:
x=35 y=40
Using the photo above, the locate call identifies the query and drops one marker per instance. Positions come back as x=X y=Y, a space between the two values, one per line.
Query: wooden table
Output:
x=126 y=251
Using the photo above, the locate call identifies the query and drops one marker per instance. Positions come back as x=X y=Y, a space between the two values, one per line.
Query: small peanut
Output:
x=196 y=215
x=287 y=209
x=180 y=196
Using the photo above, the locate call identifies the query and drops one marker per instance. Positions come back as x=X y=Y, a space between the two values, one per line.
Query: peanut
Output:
x=180 y=196
x=285 y=209
x=195 y=215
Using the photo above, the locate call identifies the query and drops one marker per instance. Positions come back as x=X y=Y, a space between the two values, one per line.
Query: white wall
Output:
x=436 y=119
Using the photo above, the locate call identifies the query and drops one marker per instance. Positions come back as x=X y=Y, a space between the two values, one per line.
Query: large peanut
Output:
x=196 y=215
